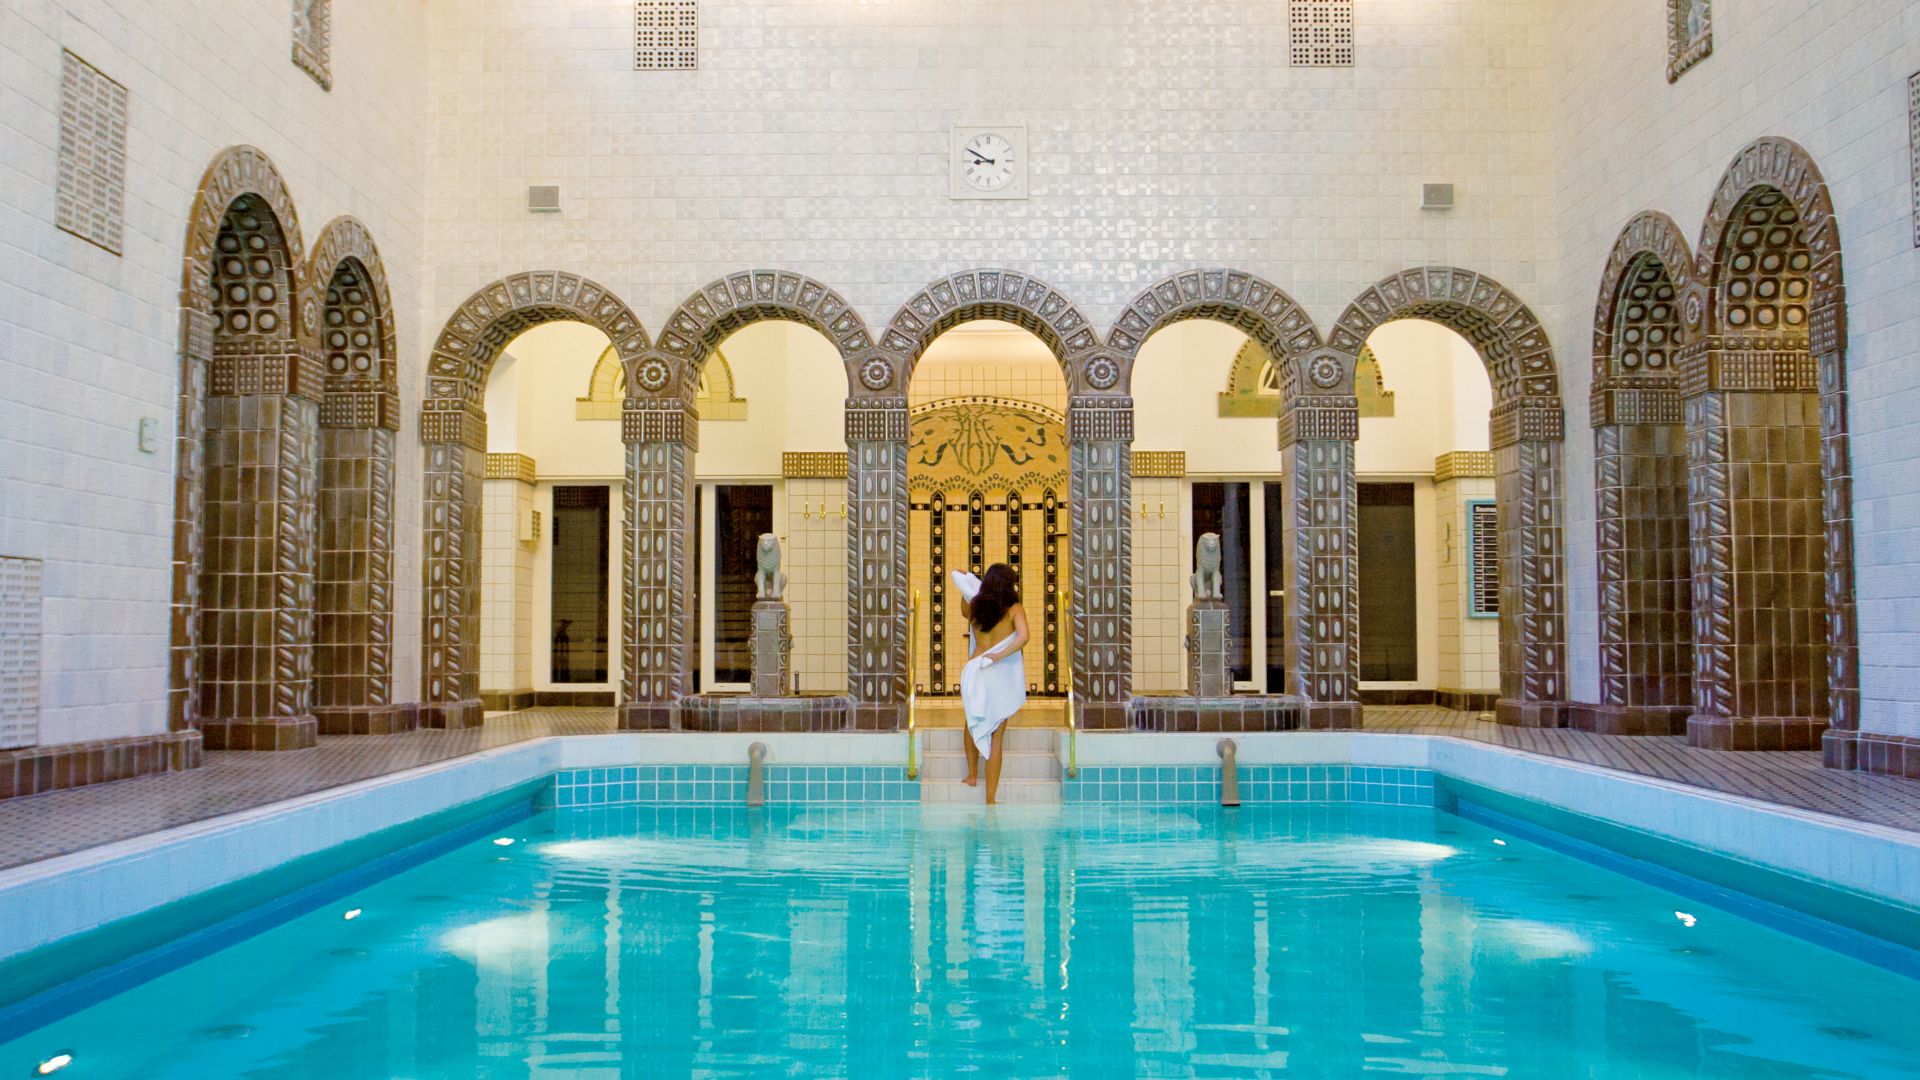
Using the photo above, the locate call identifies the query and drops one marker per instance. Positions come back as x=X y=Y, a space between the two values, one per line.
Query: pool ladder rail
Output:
x=913 y=636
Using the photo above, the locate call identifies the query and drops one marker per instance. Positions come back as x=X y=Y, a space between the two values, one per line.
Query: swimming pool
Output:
x=1318 y=939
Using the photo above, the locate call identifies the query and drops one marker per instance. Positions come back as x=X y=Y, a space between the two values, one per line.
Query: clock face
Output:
x=987 y=162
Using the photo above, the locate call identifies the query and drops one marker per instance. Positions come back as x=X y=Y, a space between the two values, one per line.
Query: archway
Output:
x=1640 y=486
x=251 y=380
x=988 y=482
x=1764 y=374
x=1320 y=602
x=1099 y=436
x=1527 y=433
x=661 y=435
x=359 y=425
x=453 y=429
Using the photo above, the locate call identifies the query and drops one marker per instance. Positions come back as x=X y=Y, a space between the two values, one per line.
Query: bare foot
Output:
x=971 y=781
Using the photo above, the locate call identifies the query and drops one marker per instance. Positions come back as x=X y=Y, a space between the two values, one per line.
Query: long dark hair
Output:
x=999 y=591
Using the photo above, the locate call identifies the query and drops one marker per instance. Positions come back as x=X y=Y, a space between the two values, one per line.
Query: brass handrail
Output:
x=913 y=635
x=1066 y=669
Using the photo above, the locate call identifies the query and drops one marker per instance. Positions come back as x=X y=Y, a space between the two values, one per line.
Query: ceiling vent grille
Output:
x=666 y=35
x=544 y=198
x=1321 y=32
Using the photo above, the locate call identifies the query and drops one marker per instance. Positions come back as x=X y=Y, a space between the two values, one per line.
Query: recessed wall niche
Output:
x=1689 y=35
x=313 y=39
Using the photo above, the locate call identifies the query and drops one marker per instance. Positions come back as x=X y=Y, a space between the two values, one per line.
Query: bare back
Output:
x=1013 y=623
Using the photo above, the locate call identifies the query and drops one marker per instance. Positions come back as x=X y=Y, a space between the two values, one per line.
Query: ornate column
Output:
x=256 y=584
x=1100 y=439
x=1319 y=425
x=1529 y=436
x=454 y=435
x=878 y=597
x=1754 y=493
x=353 y=678
x=661 y=435
x=1828 y=339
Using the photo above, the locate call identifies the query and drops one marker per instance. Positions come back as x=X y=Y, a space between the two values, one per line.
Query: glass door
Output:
x=732 y=517
x=579 y=627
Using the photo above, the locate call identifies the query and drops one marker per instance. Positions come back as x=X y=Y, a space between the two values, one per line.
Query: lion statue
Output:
x=768 y=582
x=1207 y=584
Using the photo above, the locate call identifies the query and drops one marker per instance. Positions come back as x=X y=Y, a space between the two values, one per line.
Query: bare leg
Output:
x=973 y=758
x=994 y=764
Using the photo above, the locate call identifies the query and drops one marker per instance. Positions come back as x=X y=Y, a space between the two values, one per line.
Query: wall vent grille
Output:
x=1913 y=145
x=90 y=200
x=19 y=652
x=1321 y=32
x=666 y=35
x=1483 y=538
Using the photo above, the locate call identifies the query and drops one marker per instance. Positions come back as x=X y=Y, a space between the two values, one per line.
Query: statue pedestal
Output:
x=772 y=648
x=1207 y=674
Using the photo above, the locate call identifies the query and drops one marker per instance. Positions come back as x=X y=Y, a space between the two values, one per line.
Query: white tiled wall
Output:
x=1469 y=647
x=1159 y=587
x=1163 y=134
x=1832 y=77
x=816 y=561
x=88 y=339
x=506 y=590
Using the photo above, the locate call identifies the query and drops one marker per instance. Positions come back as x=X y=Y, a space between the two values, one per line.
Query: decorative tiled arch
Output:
x=1528 y=429
x=359 y=428
x=1640 y=481
x=1008 y=296
x=453 y=429
x=1100 y=437
x=715 y=399
x=1256 y=306
x=697 y=327
x=1746 y=349
x=252 y=337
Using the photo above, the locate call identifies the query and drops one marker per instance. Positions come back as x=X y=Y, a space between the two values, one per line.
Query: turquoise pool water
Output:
x=1097 y=941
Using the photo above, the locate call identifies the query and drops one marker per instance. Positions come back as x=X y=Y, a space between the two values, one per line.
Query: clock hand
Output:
x=978 y=160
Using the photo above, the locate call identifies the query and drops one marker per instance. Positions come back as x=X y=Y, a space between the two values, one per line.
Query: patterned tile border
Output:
x=1200 y=784
x=727 y=784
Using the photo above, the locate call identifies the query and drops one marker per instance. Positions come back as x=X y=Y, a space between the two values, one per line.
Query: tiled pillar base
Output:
x=1754 y=732
x=367 y=719
x=1101 y=715
x=35 y=770
x=452 y=714
x=276 y=733
x=1538 y=714
x=879 y=716
x=1872 y=752
x=1628 y=719
x=1331 y=716
x=649 y=716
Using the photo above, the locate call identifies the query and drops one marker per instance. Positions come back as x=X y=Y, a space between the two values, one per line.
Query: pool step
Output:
x=1030 y=771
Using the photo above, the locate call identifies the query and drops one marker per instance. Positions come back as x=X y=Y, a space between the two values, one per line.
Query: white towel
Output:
x=968 y=585
x=991 y=691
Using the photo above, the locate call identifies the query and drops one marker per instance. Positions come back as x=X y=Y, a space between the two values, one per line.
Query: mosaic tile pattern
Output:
x=1320 y=558
x=62 y=821
x=1913 y=147
x=728 y=784
x=694 y=331
x=90 y=199
x=1199 y=785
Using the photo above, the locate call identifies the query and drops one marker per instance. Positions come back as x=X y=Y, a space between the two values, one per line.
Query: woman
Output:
x=993 y=685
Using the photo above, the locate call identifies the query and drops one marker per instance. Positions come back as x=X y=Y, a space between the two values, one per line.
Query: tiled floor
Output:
x=64 y=821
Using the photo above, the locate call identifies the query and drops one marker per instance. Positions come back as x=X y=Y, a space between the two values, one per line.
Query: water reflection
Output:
x=1097 y=942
